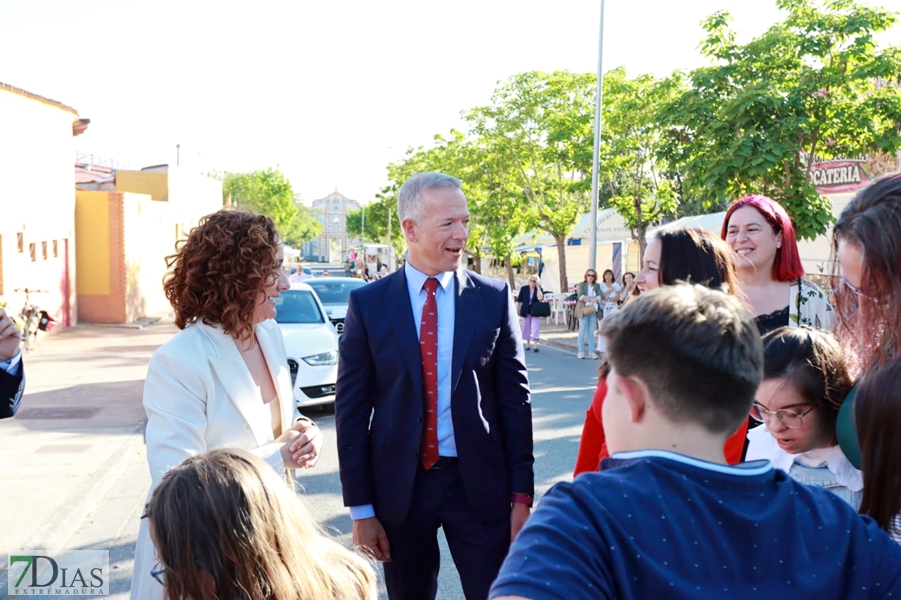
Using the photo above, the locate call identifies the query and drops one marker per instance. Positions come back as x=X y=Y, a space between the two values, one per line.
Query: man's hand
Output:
x=305 y=448
x=518 y=515
x=10 y=336
x=369 y=536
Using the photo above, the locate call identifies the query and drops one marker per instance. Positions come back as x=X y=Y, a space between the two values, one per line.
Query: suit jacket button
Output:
x=419 y=419
x=415 y=455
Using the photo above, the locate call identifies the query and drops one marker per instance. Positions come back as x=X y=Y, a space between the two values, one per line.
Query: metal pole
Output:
x=593 y=251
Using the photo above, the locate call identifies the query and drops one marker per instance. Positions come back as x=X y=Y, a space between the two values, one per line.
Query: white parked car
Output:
x=311 y=343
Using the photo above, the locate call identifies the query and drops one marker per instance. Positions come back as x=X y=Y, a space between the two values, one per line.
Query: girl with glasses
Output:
x=804 y=383
x=866 y=246
x=225 y=525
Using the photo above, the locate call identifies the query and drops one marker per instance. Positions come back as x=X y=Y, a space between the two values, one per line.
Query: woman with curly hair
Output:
x=226 y=526
x=223 y=380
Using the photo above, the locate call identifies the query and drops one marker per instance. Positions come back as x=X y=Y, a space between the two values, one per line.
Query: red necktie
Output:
x=428 y=348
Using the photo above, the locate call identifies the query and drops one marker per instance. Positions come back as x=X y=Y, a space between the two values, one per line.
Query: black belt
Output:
x=445 y=462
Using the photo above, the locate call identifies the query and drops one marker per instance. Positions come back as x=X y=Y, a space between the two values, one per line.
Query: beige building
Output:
x=335 y=241
x=37 y=195
x=125 y=227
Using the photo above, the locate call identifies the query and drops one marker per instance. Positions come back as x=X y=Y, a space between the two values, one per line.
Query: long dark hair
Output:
x=868 y=322
x=877 y=412
x=696 y=256
x=812 y=363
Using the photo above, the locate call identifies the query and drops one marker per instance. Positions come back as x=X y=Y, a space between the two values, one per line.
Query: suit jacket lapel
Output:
x=278 y=370
x=237 y=382
x=467 y=304
x=400 y=314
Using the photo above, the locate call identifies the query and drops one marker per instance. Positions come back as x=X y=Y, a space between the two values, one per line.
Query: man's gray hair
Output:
x=409 y=199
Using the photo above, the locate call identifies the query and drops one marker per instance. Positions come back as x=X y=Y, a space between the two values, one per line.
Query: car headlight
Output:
x=318 y=360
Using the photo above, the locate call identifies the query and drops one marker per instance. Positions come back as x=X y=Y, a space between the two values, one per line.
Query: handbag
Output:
x=540 y=309
x=589 y=309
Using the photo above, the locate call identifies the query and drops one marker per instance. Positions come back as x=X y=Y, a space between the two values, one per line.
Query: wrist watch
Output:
x=521 y=499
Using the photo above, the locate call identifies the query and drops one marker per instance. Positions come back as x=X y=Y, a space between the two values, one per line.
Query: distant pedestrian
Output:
x=226 y=526
x=529 y=294
x=587 y=308
x=296 y=275
x=222 y=380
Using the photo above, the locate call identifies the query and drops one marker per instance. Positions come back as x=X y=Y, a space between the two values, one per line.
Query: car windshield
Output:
x=297 y=306
x=335 y=292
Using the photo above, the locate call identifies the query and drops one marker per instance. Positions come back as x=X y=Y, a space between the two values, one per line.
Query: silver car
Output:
x=334 y=292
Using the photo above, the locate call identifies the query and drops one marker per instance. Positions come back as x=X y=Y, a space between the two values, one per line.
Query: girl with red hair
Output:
x=762 y=235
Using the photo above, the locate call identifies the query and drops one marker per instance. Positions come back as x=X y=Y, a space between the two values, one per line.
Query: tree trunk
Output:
x=477 y=264
x=561 y=256
x=508 y=263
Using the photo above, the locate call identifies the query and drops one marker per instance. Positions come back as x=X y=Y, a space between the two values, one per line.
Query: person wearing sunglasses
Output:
x=804 y=383
x=589 y=294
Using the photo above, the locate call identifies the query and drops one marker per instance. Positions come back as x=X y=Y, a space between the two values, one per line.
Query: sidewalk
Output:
x=558 y=336
x=78 y=432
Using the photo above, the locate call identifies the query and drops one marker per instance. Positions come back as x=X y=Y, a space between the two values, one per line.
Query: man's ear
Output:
x=409 y=229
x=636 y=394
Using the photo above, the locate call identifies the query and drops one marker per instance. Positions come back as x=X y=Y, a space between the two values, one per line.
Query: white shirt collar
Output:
x=416 y=278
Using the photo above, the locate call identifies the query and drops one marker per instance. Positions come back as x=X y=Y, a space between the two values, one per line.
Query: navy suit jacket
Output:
x=379 y=398
x=11 y=388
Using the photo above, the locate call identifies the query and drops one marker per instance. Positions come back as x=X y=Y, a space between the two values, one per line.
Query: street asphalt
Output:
x=75 y=476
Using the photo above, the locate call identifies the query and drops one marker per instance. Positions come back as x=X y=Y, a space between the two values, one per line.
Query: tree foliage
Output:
x=638 y=186
x=814 y=84
x=268 y=192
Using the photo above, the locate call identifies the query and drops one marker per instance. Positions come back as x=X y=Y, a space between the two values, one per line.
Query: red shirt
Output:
x=593 y=445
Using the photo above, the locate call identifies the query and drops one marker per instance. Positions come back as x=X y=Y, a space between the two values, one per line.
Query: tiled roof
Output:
x=21 y=92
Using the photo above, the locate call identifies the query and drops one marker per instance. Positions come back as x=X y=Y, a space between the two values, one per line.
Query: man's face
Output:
x=436 y=244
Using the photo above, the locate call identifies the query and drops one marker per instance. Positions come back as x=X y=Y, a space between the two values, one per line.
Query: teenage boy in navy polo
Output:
x=667 y=517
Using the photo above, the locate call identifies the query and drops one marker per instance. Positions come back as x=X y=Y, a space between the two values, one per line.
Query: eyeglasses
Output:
x=158 y=572
x=591 y=274
x=844 y=283
x=789 y=418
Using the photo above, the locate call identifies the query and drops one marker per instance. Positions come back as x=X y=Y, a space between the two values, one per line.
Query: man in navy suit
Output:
x=478 y=485
x=12 y=372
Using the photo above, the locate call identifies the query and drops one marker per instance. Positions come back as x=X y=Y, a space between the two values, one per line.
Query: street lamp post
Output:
x=593 y=250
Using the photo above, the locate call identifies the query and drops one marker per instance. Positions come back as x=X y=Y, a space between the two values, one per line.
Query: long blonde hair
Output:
x=227 y=513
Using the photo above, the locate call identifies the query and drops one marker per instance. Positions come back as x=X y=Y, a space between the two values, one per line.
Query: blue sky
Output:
x=328 y=91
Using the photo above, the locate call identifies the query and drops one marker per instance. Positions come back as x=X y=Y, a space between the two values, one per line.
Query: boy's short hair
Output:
x=698 y=351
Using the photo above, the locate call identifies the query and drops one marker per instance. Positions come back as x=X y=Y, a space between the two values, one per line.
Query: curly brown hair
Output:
x=217 y=272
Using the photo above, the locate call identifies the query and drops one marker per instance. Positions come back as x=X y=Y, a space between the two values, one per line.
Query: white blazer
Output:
x=199 y=395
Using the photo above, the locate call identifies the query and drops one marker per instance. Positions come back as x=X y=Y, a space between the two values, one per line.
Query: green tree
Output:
x=269 y=193
x=630 y=172
x=812 y=85
x=540 y=124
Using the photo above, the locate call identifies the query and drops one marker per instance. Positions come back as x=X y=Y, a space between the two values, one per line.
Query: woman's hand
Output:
x=301 y=444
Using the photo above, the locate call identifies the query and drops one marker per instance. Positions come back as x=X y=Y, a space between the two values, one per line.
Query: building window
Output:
x=33 y=252
x=55 y=248
x=20 y=240
x=44 y=250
